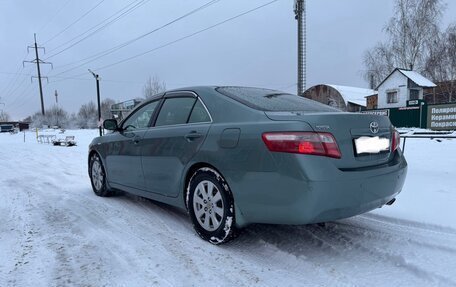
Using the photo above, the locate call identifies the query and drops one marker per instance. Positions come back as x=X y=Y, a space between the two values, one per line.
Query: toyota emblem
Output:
x=374 y=127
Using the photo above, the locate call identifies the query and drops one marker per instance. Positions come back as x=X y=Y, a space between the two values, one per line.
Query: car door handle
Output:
x=136 y=139
x=192 y=136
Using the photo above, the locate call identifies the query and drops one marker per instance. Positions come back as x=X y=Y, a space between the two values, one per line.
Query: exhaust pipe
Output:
x=391 y=201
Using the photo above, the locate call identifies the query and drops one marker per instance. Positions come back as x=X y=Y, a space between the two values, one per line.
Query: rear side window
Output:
x=175 y=111
x=271 y=100
x=199 y=114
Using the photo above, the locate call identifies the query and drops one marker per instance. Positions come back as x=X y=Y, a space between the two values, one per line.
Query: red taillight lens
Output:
x=396 y=140
x=323 y=144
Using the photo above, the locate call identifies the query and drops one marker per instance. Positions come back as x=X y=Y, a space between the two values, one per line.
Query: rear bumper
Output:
x=278 y=198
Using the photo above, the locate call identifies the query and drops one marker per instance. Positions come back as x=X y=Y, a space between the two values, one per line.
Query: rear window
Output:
x=271 y=100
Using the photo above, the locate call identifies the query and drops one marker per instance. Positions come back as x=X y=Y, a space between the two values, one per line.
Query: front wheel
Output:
x=98 y=177
x=211 y=207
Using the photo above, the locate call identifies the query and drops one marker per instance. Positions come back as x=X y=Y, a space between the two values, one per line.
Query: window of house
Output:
x=414 y=94
x=391 y=97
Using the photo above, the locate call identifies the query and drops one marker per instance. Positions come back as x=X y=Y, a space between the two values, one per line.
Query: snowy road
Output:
x=55 y=232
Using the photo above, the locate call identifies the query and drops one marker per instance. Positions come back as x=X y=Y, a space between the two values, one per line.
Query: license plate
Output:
x=371 y=145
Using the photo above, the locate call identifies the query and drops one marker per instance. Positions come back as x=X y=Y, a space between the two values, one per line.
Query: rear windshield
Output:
x=271 y=100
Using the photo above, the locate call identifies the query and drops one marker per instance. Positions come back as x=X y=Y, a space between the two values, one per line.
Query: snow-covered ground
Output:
x=55 y=232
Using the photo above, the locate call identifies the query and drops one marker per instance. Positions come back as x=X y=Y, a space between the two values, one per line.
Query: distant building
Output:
x=120 y=110
x=349 y=99
x=372 y=102
x=10 y=126
x=399 y=87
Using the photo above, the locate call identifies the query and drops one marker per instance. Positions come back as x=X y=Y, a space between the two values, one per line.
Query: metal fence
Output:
x=426 y=135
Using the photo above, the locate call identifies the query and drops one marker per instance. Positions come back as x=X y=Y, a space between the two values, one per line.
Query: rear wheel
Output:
x=98 y=177
x=210 y=206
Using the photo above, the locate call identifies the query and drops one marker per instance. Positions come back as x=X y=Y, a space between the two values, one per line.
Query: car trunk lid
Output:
x=347 y=128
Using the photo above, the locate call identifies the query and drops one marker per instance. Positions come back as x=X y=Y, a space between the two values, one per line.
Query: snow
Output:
x=55 y=232
x=417 y=78
x=353 y=94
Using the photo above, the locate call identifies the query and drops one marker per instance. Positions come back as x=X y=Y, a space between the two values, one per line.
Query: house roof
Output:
x=353 y=94
x=417 y=78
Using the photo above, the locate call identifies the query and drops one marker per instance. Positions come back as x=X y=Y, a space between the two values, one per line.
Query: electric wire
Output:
x=74 y=22
x=188 y=36
x=53 y=17
x=185 y=37
x=122 y=45
x=128 y=11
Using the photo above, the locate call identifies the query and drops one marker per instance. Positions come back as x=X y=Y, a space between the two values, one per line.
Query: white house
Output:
x=399 y=87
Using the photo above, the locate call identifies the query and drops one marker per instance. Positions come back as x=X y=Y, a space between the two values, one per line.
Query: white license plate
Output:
x=371 y=145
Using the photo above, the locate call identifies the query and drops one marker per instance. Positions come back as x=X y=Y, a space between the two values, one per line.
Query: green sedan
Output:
x=232 y=156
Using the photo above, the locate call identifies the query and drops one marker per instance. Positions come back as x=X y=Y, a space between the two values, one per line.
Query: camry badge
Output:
x=374 y=127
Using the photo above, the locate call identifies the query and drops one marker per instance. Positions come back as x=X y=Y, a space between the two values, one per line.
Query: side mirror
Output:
x=110 y=124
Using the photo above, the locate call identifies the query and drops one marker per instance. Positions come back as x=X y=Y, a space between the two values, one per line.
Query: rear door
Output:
x=179 y=131
x=124 y=148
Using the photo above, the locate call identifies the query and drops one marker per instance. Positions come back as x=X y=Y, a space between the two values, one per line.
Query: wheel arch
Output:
x=95 y=152
x=188 y=175
x=239 y=217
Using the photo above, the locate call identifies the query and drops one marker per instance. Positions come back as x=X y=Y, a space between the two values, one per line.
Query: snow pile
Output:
x=55 y=232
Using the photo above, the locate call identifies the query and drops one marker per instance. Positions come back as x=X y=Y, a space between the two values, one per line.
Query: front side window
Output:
x=140 y=119
x=391 y=97
x=175 y=111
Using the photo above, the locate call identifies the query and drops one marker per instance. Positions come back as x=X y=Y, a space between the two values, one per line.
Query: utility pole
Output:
x=300 y=15
x=97 y=79
x=56 y=107
x=37 y=61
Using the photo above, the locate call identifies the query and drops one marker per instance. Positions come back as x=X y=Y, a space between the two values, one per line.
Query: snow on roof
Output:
x=417 y=78
x=353 y=94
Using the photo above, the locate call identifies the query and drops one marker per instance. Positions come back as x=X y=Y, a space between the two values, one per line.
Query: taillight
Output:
x=323 y=144
x=396 y=140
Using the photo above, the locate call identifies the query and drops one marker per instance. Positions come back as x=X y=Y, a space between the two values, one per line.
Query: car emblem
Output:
x=374 y=127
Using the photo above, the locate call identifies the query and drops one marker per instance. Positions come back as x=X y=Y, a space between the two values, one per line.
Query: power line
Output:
x=20 y=100
x=120 y=46
x=19 y=74
x=137 y=5
x=53 y=17
x=73 y=23
x=20 y=84
x=60 y=79
x=185 y=37
x=12 y=85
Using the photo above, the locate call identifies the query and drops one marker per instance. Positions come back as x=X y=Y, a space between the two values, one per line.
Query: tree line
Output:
x=87 y=116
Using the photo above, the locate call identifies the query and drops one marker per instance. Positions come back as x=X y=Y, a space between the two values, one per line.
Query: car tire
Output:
x=98 y=177
x=210 y=205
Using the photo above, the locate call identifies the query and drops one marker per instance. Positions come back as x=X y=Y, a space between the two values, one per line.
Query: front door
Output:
x=124 y=150
x=179 y=132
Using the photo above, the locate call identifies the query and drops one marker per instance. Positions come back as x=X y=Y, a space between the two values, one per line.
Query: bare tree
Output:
x=441 y=64
x=379 y=62
x=106 y=108
x=410 y=34
x=153 y=86
x=4 y=116
x=54 y=116
x=87 y=117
